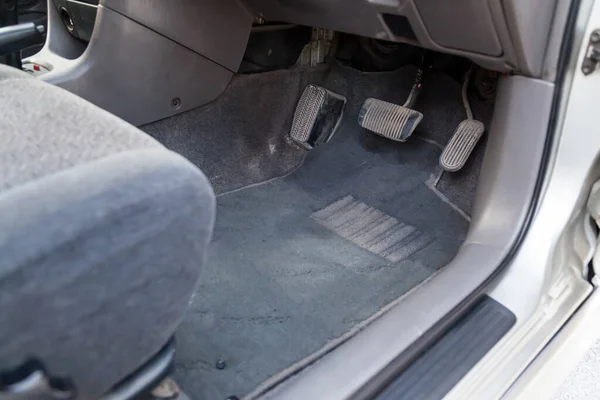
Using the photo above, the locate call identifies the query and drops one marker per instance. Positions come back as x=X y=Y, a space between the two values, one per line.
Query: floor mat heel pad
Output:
x=372 y=229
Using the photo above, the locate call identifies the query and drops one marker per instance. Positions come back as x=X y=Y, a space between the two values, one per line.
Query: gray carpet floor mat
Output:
x=308 y=245
x=300 y=260
x=241 y=138
x=440 y=102
x=237 y=140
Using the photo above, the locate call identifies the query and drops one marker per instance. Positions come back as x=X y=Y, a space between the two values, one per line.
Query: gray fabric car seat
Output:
x=102 y=235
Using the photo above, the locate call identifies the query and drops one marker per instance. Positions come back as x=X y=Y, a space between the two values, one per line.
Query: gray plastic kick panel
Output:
x=140 y=73
x=433 y=374
x=216 y=29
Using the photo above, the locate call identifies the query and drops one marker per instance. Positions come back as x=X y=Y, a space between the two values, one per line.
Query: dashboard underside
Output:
x=501 y=35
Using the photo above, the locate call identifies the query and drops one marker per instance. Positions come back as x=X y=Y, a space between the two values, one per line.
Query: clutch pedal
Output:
x=463 y=141
x=391 y=120
x=317 y=116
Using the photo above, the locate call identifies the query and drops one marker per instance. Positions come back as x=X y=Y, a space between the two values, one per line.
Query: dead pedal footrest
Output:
x=317 y=116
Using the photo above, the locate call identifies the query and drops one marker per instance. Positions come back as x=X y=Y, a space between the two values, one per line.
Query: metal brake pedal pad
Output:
x=459 y=148
x=389 y=120
x=317 y=116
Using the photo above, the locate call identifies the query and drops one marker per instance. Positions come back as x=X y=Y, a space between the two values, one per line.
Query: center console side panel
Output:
x=217 y=29
x=135 y=72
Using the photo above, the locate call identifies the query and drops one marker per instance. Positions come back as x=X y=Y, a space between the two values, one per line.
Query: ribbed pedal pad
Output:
x=317 y=117
x=389 y=120
x=457 y=151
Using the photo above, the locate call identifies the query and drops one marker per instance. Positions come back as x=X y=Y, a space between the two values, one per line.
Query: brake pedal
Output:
x=317 y=116
x=391 y=120
x=463 y=141
x=388 y=120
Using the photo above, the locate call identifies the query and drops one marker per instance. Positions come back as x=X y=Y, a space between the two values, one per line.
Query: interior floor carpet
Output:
x=309 y=244
x=440 y=102
x=291 y=269
x=239 y=139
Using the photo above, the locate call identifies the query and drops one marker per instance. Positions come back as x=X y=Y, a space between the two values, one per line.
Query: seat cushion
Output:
x=102 y=235
x=46 y=129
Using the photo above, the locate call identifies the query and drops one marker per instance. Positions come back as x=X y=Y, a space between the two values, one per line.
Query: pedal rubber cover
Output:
x=459 y=148
x=317 y=116
x=388 y=119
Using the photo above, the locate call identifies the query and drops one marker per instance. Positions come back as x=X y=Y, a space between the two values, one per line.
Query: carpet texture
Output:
x=372 y=229
x=240 y=138
x=285 y=275
x=441 y=103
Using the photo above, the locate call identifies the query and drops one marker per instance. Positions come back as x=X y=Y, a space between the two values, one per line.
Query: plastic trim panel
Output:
x=453 y=355
x=132 y=71
x=216 y=29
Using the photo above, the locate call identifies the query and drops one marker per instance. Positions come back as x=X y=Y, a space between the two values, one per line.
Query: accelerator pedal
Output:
x=469 y=131
x=459 y=148
x=317 y=117
x=391 y=120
